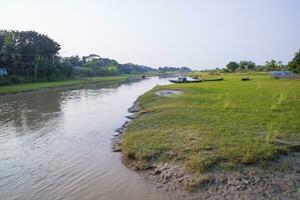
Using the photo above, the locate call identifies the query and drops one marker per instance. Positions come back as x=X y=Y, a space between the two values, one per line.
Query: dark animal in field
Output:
x=246 y=79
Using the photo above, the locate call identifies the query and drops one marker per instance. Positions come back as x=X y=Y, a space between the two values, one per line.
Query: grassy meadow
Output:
x=10 y=89
x=224 y=123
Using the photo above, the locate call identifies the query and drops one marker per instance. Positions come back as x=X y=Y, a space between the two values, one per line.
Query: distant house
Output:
x=3 y=71
x=282 y=74
x=90 y=57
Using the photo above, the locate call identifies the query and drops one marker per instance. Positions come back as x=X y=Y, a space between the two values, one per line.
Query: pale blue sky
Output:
x=197 y=33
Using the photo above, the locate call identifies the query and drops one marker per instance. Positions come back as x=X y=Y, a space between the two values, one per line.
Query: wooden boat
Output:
x=214 y=79
x=186 y=81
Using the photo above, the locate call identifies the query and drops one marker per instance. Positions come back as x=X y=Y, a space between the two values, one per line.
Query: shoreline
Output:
x=28 y=88
x=116 y=140
x=278 y=178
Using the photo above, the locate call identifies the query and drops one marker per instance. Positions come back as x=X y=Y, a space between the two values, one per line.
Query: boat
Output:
x=184 y=80
x=214 y=79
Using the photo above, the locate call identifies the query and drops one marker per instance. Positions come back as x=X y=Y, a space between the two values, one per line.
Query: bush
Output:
x=4 y=81
x=294 y=65
x=14 y=79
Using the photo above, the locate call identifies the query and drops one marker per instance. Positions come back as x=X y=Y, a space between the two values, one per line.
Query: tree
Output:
x=247 y=65
x=294 y=65
x=273 y=65
x=28 y=53
x=243 y=64
x=36 y=64
x=232 y=66
x=251 y=65
x=73 y=61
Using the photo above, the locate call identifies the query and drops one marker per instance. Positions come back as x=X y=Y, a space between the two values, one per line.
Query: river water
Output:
x=56 y=144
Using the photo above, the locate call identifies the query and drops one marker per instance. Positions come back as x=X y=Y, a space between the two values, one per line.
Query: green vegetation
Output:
x=249 y=66
x=66 y=83
x=225 y=123
x=294 y=65
x=233 y=66
x=28 y=56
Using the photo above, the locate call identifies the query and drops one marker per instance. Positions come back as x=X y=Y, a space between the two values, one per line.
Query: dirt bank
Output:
x=278 y=179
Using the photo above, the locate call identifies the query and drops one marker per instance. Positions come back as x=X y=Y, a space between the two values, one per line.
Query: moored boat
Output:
x=186 y=81
x=214 y=79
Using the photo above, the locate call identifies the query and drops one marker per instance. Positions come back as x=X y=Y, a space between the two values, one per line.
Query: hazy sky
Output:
x=197 y=33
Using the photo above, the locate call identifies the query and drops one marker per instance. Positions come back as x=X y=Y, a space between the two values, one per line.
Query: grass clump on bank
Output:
x=10 y=89
x=213 y=123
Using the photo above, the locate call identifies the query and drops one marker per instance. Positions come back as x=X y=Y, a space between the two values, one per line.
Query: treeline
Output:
x=28 y=56
x=94 y=65
x=243 y=66
x=173 y=69
x=272 y=65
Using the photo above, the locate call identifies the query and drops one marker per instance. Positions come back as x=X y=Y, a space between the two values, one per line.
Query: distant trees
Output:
x=105 y=66
x=73 y=61
x=243 y=66
x=30 y=56
x=273 y=65
x=130 y=68
x=232 y=66
x=173 y=69
x=294 y=65
x=247 y=65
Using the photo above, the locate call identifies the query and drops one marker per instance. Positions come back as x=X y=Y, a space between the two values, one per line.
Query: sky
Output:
x=200 y=34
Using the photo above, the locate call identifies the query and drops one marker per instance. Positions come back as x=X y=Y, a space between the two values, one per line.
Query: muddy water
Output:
x=57 y=144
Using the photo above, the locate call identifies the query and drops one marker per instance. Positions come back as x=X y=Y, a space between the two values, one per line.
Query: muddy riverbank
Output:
x=277 y=179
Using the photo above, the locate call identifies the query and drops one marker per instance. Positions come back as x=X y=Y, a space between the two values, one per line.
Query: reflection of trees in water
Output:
x=113 y=84
x=31 y=110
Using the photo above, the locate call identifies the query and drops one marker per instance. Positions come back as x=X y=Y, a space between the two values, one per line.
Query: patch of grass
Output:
x=201 y=163
x=271 y=134
x=228 y=166
x=54 y=84
x=198 y=181
x=216 y=122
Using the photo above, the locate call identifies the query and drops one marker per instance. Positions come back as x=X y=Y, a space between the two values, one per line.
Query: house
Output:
x=3 y=71
x=90 y=57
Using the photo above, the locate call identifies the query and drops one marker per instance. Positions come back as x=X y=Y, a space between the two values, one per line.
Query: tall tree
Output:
x=273 y=65
x=294 y=65
x=247 y=65
x=20 y=52
x=232 y=66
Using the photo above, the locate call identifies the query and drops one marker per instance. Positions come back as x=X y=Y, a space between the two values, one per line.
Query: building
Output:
x=90 y=57
x=281 y=74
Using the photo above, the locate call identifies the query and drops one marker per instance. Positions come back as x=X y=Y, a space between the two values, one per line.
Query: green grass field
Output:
x=223 y=123
x=66 y=83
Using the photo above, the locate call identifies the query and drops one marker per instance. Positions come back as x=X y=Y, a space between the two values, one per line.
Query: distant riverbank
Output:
x=13 y=89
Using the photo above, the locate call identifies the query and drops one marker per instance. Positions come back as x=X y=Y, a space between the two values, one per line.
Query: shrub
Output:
x=14 y=79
